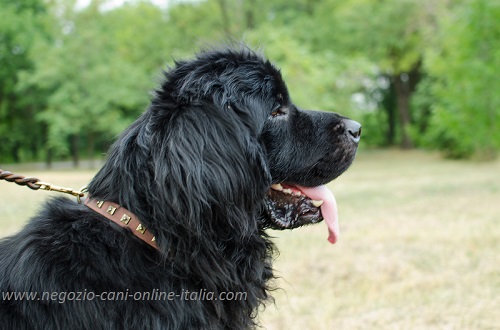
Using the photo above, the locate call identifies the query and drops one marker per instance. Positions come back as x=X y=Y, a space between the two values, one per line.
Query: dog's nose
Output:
x=353 y=129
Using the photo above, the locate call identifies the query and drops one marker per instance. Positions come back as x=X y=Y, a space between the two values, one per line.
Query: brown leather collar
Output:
x=123 y=218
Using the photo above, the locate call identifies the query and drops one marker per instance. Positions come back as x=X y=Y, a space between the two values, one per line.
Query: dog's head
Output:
x=222 y=145
x=286 y=149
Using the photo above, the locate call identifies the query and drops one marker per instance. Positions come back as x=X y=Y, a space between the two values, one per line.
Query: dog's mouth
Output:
x=291 y=206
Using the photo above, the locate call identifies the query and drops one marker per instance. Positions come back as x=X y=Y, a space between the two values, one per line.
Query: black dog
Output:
x=220 y=155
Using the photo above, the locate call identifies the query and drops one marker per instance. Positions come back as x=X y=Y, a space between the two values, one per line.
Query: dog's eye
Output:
x=279 y=111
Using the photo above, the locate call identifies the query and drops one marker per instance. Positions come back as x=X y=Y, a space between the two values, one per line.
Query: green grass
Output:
x=419 y=247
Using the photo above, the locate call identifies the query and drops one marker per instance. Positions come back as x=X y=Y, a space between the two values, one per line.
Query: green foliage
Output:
x=306 y=73
x=71 y=78
x=20 y=25
x=386 y=31
x=392 y=35
x=466 y=88
x=95 y=83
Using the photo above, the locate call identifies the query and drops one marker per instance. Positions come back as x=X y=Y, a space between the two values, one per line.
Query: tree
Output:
x=414 y=72
x=21 y=23
x=465 y=83
x=93 y=87
x=393 y=34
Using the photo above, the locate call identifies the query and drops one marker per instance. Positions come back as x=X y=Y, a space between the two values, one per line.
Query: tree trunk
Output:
x=389 y=105
x=45 y=141
x=48 y=161
x=91 y=149
x=75 y=149
x=403 y=92
x=15 y=152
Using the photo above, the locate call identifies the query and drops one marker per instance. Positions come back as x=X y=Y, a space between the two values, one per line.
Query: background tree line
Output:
x=416 y=73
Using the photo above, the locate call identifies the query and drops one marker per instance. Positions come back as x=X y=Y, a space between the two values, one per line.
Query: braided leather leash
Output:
x=35 y=184
x=123 y=218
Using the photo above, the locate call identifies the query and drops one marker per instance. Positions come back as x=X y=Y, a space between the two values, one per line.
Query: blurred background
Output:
x=420 y=207
x=417 y=74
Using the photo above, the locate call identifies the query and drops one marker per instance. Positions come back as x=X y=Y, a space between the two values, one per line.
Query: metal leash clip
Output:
x=51 y=187
x=34 y=184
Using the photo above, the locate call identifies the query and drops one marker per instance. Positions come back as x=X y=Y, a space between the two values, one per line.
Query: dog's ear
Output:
x=208 y=166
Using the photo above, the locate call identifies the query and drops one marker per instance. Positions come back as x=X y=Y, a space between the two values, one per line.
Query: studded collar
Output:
x=122 y=217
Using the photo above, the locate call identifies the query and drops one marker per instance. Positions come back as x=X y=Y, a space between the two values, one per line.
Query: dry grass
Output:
x=18 y=203
x=420 y=247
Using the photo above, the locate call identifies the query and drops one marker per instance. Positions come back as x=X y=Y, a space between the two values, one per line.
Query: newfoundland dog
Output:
x=172 y=232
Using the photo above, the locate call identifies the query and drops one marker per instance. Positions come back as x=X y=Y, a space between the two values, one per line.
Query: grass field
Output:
x=419 y=249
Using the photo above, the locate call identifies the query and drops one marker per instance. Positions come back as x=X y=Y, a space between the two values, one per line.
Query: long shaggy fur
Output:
x=195 y=168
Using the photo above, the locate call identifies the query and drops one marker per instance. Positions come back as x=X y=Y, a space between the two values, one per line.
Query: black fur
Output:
x=195 y=168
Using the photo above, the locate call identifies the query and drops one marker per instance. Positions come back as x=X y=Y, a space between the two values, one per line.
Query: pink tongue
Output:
x=328 y=209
